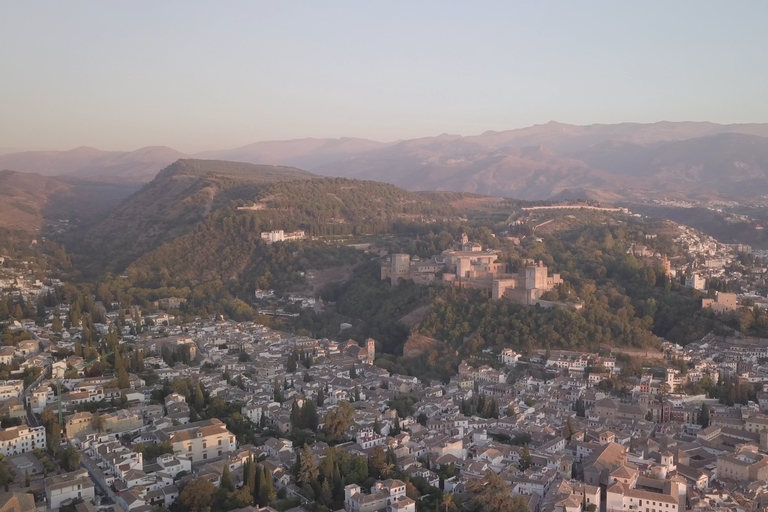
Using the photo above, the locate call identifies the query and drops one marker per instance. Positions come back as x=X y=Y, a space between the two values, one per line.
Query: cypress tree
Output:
x=226 y=479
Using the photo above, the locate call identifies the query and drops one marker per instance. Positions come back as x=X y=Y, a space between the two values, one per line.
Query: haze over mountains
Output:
x=691 y=160
x=138 y=166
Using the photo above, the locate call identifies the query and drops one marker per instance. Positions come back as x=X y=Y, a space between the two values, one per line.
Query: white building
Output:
x=509 y=357
x=62 y=489
x=21 y=439
x=11 y=389
x=38 y=399
x=383 y=494
x=696 y=281
x=281 y=236
x=202 y=440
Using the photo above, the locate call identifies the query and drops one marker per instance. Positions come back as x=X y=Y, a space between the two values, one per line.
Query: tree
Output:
x=308 y=472
x=250 y=477
x=320 y=397
x=491 y=494
x=291 y=365
x=6 y=473
x=197 y=495
x=123 y=381
x=26 y=478
x=377 y=461
x=266 y=487
x=199 y=398
x=448 y=502
x=239 y=498
x=52 y=430
x=69 y=458
x=339 y=419
x=525 y=458
x=98 y=423
x=278 y=393
x=569 y=429
x=704 y=416
x=326 y=495
x=580 y=408
x=309 y=416
x=226 y=479
x=56 y=324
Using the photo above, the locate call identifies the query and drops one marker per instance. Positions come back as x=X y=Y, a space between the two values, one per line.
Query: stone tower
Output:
x=370 y=344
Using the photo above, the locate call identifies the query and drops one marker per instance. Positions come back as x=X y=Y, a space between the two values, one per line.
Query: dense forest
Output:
x=178 y=199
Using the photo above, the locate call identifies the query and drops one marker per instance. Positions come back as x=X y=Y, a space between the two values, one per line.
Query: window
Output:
x=219 y=442
x=205 y=456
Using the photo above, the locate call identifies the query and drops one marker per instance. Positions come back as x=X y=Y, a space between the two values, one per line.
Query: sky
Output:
x=212 y=75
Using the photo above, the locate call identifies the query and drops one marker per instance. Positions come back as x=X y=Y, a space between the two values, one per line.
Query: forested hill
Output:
x=181 y=196
x=226 y=250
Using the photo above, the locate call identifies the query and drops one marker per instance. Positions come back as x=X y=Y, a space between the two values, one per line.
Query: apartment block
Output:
x=63 y=489
x=201 y=440
x=21 y=439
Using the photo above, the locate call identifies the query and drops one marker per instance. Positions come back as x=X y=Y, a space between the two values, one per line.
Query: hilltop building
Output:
x=651 y=258
x=526 y=287
x=470 y=266
x=281 y=236
x=696 y=281
x=402 y=266
x=722 y=303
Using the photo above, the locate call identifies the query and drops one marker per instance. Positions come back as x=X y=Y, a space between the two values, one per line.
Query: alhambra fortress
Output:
x=469 y=266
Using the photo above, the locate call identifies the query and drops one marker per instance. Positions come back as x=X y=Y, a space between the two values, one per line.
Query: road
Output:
x=31 y=419
x=96 y=475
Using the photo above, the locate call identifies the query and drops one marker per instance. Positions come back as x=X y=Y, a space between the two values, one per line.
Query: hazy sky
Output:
x=210 y=75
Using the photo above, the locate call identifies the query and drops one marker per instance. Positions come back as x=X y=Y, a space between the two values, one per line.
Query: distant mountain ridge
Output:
x=138 y=166
x=609 y=162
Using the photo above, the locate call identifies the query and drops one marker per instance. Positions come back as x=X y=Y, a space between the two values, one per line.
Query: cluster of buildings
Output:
x=647 y=449
x=709 y=259
x=469 y=266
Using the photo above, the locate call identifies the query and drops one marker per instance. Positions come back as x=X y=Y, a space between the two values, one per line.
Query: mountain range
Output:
x=686 y=160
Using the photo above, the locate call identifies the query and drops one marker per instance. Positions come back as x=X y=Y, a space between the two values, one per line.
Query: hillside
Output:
x=181 y=195
x=29 y=201
x=227 y=247
x=23 y=198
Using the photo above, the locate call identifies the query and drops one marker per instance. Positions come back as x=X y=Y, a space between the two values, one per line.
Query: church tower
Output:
x=370 y=344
